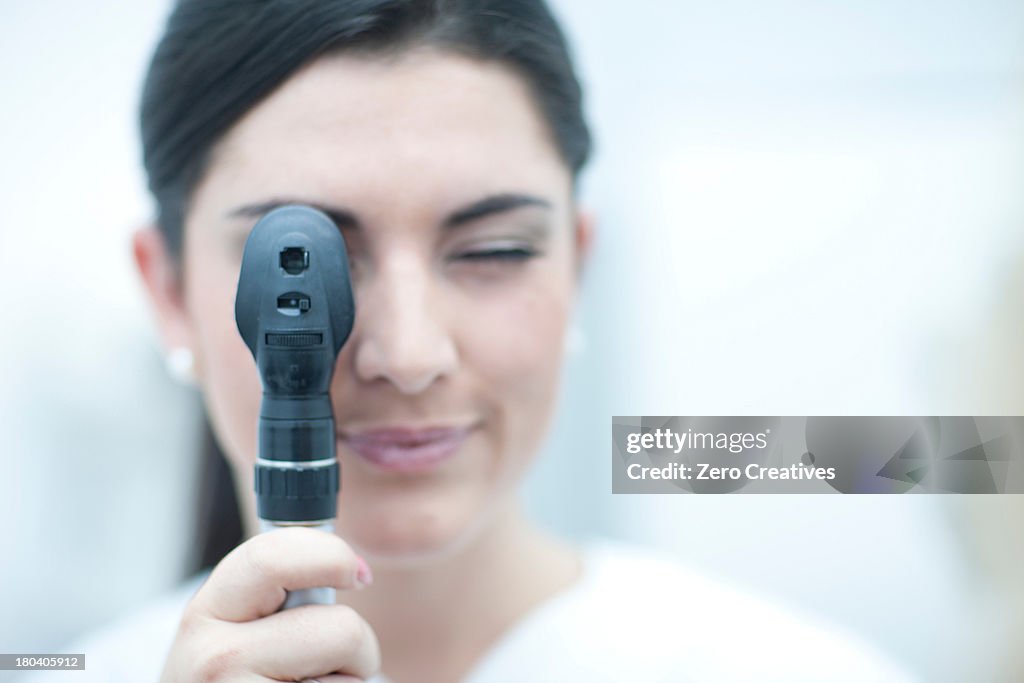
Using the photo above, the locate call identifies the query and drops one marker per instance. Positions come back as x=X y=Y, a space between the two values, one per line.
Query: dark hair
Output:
x=218 y=522
x=217 y=59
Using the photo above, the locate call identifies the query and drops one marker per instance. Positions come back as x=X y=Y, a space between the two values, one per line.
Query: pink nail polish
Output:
x=364 y=577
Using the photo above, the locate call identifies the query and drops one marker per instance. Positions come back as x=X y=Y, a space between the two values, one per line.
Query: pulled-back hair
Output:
x=217 y=59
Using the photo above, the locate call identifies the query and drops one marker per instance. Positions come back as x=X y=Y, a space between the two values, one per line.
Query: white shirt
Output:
x=633 y=616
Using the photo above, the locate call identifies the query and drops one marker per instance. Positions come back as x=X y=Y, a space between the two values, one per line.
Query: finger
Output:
x=311 y=640
x=252 y=580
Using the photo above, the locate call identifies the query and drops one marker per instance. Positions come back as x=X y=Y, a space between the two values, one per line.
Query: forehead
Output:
x=368 y=127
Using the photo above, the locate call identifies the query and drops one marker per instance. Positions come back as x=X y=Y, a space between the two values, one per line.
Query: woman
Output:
x=444 y=138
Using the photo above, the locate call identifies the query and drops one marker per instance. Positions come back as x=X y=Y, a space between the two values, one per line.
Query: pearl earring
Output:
x=181 y=365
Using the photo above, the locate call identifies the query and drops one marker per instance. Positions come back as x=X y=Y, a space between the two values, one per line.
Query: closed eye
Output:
x=510 y=254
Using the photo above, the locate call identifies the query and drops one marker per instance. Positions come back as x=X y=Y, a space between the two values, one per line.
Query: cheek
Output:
x=230 y=382
x=519 y=342
x=513 y=343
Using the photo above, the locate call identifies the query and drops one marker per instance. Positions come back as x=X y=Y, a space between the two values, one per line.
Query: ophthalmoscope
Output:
x=294 y=309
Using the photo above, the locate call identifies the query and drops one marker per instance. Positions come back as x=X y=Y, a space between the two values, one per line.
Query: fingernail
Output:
x=364 y=577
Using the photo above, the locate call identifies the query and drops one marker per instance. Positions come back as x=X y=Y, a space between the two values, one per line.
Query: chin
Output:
x=412 y=531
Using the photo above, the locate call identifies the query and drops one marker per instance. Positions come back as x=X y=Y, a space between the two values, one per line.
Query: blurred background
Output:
x=805 y=208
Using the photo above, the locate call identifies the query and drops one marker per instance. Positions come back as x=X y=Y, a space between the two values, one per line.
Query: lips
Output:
x=402 y=449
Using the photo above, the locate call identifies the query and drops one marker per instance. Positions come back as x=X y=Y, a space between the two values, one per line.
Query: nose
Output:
x=401 y=334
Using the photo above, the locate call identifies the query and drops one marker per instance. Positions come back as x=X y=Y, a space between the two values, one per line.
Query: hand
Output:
x=232 y=630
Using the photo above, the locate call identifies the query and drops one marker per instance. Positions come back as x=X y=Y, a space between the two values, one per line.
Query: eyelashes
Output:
x=502 y=255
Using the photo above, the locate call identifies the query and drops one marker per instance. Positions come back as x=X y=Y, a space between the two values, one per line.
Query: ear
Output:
x=164 y=289
x=583 y=237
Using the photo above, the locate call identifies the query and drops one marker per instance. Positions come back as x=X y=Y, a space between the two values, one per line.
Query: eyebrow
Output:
x=346 y=219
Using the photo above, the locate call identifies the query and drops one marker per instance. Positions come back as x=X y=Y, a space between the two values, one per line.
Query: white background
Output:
x=804 y=208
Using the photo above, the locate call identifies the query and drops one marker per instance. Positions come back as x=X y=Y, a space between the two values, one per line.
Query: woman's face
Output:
x=464 y=244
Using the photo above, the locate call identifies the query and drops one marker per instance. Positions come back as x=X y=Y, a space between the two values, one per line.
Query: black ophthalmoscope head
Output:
x=294 y=309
